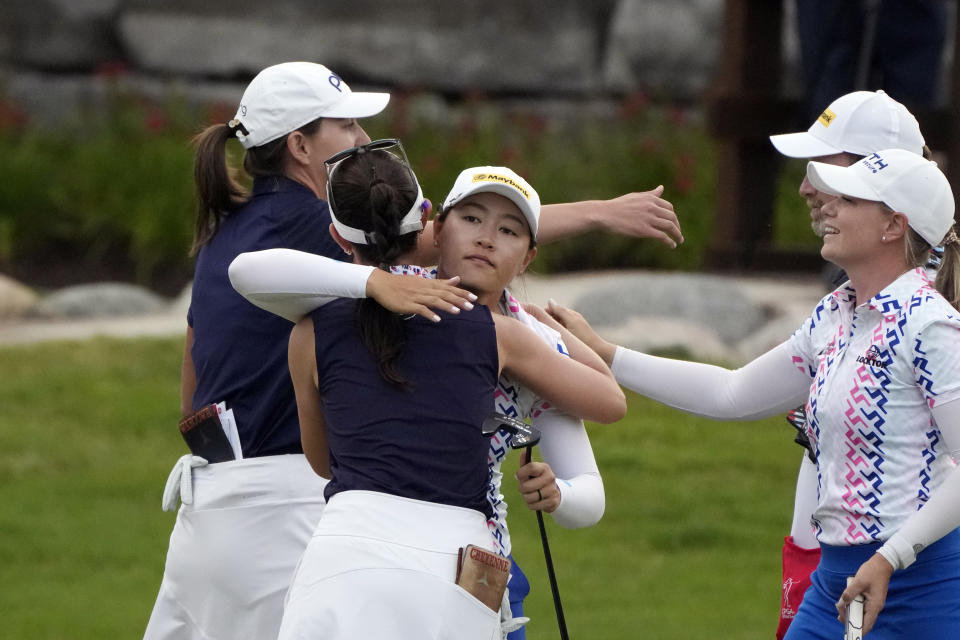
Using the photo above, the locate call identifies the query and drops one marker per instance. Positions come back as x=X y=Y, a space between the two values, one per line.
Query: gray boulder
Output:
x=717 y=304
x=665 y=47
x=60 y=34
x=108 y=299
x=15 y=298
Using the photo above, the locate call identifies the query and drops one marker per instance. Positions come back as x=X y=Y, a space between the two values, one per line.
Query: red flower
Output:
x=112 y=69
x=634 y=104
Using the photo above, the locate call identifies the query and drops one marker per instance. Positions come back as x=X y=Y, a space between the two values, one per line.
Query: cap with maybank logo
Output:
x=861 y=122
x=286 y=96
x=902 y=180
x=502 y=181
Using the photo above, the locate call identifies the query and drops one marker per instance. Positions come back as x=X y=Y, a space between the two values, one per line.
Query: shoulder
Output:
x=301 y=349
x=302 y=333
x=923 y=306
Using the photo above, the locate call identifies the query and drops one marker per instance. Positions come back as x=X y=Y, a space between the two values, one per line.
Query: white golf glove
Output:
x=508 y=623
x=180 y=482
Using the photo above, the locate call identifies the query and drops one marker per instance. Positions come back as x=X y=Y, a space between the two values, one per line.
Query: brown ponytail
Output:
x=218 y=193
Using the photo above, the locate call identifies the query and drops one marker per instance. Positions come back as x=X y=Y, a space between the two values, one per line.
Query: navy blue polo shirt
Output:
x=240 y=351
x=424 y=443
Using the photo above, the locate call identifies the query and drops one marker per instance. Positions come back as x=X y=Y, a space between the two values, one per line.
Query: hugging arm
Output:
x=570 y=385
x=293 y=283
x=302 y=360
x=565 y=446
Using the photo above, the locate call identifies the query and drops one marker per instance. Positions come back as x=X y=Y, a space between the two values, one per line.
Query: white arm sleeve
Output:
x=565 y=446
x=293 y=283
x=804 y=504
x=769 y=385
x=941 y=514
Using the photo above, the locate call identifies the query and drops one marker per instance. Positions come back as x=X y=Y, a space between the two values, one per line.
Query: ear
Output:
x=297 y=147
x=437 y=227
x=896 y=226
x=531 y=254
x=345 y=244
x=427 y=208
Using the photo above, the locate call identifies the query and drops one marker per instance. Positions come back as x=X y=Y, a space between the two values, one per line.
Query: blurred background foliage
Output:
x=110 y=197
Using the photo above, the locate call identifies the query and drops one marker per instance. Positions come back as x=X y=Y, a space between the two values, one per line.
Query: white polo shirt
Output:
x=877 y=369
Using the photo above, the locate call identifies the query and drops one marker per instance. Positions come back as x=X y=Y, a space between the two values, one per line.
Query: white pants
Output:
x=382 y=566
x=234 y=550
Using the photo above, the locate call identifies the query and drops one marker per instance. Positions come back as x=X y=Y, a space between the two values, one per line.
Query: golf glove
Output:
x=180 y=482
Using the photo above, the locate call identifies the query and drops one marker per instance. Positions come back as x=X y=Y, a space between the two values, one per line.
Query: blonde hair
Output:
x=948 y=275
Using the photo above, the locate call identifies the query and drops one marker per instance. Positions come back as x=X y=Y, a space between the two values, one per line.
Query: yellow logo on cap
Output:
x=493 y=177
x=826 y=117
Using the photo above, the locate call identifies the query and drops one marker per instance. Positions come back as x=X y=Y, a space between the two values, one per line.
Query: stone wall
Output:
x=57 y=55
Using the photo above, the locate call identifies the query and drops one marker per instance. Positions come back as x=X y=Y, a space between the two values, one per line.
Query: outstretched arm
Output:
x=293 y=283
x=640 y=214
x=769 y=385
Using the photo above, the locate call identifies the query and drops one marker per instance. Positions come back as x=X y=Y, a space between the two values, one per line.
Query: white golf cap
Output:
x=902 y=180
x=286 y=96
x=500 y=180
x=861 y=122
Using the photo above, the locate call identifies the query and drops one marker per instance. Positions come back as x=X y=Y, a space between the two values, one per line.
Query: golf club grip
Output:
x=854 y=627
x=554 y=590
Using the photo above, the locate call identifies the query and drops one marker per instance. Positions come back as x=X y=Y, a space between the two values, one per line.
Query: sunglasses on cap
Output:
x=411 y=221
x=523 y=435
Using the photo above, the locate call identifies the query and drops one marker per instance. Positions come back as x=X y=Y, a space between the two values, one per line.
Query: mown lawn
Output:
x=688 y=547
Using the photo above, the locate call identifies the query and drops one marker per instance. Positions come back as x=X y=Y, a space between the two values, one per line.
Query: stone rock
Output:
x=15 y=298
x=667 y=48
x=446 y=47
x=55 y=100
x=108 y=299
x=181 y=304
x=711 y=302
x=60 y=34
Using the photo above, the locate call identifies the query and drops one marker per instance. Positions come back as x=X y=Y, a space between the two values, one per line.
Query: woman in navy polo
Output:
x=245 y=523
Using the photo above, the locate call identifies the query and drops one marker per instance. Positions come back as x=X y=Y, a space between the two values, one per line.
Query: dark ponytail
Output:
x=373 y=191
x=218 y=191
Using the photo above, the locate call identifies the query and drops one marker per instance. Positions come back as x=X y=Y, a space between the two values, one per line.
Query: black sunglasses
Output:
x=523 y=435
x=390 y=145
x=375 y=145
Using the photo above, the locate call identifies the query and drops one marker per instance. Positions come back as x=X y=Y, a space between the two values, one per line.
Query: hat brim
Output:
x=839 y=181
x=358 y=104
x=802 y=145
x=507 y=192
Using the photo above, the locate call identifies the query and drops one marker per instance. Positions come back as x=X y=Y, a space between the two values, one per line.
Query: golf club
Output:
x=526 y=437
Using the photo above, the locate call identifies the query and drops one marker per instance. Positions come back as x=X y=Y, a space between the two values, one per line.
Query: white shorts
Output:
x=382 y=566
x=234 y=550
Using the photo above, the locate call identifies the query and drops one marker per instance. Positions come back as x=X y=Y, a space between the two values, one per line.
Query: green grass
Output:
x=688 y=547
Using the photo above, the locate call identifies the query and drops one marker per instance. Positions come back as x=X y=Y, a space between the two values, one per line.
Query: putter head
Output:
x=523 y=434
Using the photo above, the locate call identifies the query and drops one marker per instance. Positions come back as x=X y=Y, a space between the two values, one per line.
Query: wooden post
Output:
x=743 y=109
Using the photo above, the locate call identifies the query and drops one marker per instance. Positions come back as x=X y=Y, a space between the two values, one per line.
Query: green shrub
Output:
x=112 y=196
x=108 y=190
